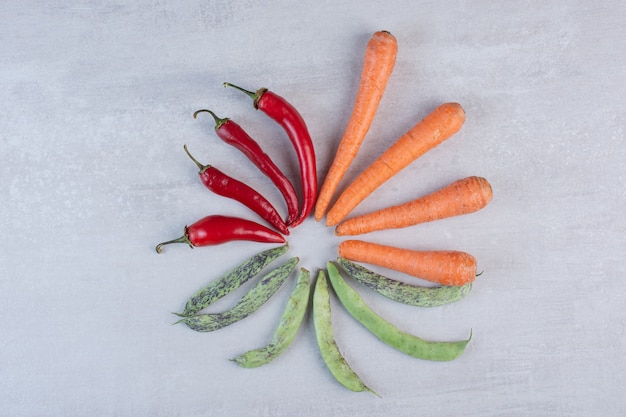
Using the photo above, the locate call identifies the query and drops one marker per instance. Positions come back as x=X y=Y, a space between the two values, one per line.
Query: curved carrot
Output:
x=443 y=267
x=463 y=196
x=436 y=127
x=380 y=58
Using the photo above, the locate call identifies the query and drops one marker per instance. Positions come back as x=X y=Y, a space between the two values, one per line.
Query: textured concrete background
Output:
x=96 y=104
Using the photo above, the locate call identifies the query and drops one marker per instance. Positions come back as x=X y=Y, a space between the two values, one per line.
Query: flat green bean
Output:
x=287 y=329
x=248 y=304
x=331 y=354
x=386 y=331
x=230 y=281
x=402 y=292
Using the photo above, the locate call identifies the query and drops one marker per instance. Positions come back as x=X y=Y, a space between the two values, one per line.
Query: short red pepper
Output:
x=216 y=229
x=234 y=135
x=282 y=112
x=226 y=186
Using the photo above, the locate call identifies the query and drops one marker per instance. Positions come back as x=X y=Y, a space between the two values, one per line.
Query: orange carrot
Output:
x=442 y=267
x=464 y=196
x=380 y=58
x=436 y=127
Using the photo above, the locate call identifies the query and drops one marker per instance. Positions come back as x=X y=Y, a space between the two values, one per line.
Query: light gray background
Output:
x=96 y=104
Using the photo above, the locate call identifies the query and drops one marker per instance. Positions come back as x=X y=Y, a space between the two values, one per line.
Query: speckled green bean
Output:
x=248 y=304
x=331 y=354
x=287 y=329
x=403 y=292
x=386 y=331
x=230 y=281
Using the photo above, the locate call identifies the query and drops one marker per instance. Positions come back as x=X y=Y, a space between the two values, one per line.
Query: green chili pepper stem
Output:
x=218 y=120
x=249 y=93
x=255 y=96
x=201 y=166
x=183 y=239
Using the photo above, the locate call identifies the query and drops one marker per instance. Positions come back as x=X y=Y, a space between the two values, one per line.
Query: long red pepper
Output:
x=234 y=135
x=282 y=112
x=216 y=229
x=226 y=186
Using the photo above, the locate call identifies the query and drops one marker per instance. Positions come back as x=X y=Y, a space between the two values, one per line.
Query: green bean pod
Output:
x=386 y=331
x=287 y=329
x=230 y=281
x=248 y=304
x=331 y=354
x=402 y=292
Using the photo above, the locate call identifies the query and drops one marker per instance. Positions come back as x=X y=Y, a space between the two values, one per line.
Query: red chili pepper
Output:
x=234 y=135
x=226 y=186
x=214 y=230
x=281 y=111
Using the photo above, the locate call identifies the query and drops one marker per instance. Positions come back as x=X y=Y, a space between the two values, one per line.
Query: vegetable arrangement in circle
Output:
x=452 y=271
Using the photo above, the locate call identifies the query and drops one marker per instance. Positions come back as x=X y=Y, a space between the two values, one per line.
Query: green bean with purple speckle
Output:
x=386 y=331
x=248 y=304
x=230 y=281
x=402 y=292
